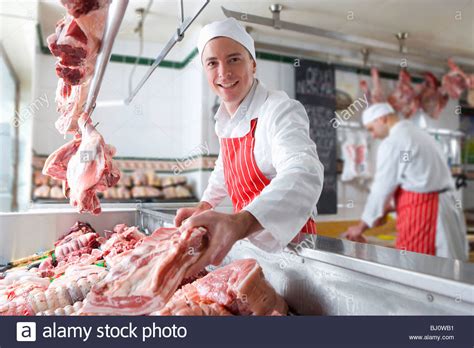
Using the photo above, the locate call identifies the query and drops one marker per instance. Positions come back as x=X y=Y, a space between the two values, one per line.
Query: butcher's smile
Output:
x=228 y=85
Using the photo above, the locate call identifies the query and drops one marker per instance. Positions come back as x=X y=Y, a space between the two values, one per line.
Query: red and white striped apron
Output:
x=243 y=178
x=417 y=215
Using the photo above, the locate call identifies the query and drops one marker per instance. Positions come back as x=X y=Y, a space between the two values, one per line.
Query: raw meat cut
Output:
x=80 y=240
x=404 y=98
x=376 y=95
x=354 y=152
x=56 y=164
x=75 y=43
x=78 y=8
x=78 y=260
x=67 y=310
x=31 y=297
x=470 y=93
x=239 y=288
x=84 y=164
x=78 y=247
x=90 y=169
x=188 y=301
x=73 y=286
x=147 y=276
x=70 y=44
x=70 y=102
x=79 y=226
x=49 y=268
x=80 y=244
x=15 y=289
x=124 y=238
x=432 y=101
x=454 y=82
x=193 y=278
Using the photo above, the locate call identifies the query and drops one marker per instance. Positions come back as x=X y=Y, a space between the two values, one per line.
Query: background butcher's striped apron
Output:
x=243 y=178
x=417 y=215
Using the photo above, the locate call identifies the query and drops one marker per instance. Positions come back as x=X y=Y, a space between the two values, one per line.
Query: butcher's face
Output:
x=229 y=70
x=379 y=128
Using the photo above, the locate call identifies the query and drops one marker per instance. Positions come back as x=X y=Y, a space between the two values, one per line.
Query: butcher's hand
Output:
x=223 y=230
x=355 y=232
x=184 y=213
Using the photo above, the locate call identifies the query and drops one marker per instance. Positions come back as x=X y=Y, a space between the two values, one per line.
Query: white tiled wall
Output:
x=162 y=121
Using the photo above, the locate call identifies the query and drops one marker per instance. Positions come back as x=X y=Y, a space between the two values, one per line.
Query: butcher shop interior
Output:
x=237 y=158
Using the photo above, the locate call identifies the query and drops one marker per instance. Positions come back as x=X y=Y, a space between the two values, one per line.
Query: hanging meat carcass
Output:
x=70 y=101
x=404 y=98
x=470 y=93
x=432 y=100
x=90 y=170
x=56 y=164
x=454 y=82
x=377 y=94
x=84 y=164
x=78 y=8
x=76 y=43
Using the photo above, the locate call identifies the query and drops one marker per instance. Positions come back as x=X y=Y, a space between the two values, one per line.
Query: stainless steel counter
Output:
x=338 y=277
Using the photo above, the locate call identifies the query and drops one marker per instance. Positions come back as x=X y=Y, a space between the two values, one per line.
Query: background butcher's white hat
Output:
x=230 y=28
x=375 y=111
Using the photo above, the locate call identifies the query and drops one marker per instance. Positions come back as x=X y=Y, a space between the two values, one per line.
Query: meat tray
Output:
x=318 y=276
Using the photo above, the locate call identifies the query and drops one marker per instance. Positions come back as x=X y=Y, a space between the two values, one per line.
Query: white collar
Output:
x=239 y=124
x=400 y=124
x=243 y=106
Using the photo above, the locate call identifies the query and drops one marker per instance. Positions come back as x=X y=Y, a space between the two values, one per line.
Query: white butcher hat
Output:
x=230 y=28
x=376 y=111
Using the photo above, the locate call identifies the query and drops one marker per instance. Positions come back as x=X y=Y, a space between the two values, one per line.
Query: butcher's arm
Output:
x=383 y=186
x=284 y=206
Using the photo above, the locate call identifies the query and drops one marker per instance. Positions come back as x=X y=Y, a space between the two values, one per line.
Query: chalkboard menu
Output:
x=315 y=89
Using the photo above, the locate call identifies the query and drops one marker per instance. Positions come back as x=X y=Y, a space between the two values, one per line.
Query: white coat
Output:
x=410 y=158
x=284 y=153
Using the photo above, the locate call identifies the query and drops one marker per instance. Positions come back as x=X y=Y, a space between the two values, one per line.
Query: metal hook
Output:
x=275 y=10
x=401 y=37
x=365 y=56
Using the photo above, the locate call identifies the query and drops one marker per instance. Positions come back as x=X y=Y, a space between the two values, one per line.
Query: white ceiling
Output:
x=431 y=24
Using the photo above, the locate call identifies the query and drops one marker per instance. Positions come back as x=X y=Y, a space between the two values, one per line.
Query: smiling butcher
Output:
x=267 y=163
